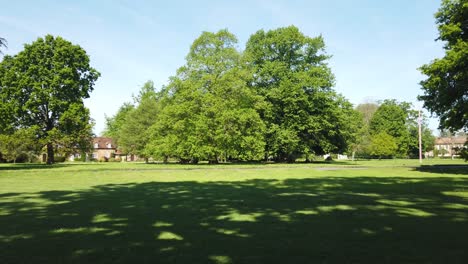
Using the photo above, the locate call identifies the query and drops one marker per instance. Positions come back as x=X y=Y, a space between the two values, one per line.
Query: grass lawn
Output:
x=345 y=212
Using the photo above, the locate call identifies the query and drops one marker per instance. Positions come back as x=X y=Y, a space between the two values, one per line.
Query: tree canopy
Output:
x=44 y=86
x=303 y=115
x=445 y=89
x=115 y=123
x=209 y=113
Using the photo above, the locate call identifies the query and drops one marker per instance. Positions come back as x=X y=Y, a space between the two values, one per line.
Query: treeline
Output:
x=390 y=129
x=272 y=101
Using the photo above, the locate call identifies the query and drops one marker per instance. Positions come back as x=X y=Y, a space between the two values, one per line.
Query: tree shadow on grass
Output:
x=36 y=166
x=444 y=169
x=323 y=220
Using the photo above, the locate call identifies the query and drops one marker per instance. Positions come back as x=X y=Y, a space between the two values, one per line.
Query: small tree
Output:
x=383 y=145
x=22 y=141
x=133 y=134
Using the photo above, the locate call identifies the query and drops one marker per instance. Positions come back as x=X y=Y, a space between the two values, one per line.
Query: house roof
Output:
x=450 y=140
x=103 y=142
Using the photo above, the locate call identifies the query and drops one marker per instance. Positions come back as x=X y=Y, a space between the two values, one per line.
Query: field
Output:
x=345 y=212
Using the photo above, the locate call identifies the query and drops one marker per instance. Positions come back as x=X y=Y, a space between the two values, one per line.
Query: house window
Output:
x=94 y=155
x=96 y=145
x=109 y=145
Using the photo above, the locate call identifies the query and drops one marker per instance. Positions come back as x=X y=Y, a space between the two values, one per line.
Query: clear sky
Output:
x=377 y=45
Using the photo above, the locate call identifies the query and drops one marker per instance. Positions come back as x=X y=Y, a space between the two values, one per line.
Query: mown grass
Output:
x=346 y=212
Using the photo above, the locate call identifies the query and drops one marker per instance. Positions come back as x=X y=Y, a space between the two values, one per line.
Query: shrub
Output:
x=59 y=159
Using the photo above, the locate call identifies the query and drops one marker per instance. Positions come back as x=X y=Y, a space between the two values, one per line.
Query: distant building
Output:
x=448 y=146
x=103 y=148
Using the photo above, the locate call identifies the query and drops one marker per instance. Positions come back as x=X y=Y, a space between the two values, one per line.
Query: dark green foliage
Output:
x=114 y=124
x=209 y=113
x=132 y=133
x=394 y=119
x=445 y=89
x=60 y=159
x=391 y=118
x=303 y=115
x=464 y=152
x=44 y=86
x=20 y=145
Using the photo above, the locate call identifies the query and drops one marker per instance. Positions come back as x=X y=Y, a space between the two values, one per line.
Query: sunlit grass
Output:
x=343 y=212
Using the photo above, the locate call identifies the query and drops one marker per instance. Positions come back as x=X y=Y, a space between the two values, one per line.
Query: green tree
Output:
x=392 y=117
x=427 y=138
x=22 y=141
x=133 y=134
x=115 y=123
x=74 y=132
x=362 y=145
x=45 y=82
x=367 y=110
x=303 y=115
x=383 y=145
x=209 y=113
x=7 y=119
x=445 y=89
x=3 y=43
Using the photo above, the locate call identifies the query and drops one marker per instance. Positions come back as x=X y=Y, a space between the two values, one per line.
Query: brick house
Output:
x=103 y=148
x=448 y=146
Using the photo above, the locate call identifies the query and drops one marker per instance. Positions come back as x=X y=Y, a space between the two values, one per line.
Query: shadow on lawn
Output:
x=324 y=220
x=38 y=166
x=444 y=169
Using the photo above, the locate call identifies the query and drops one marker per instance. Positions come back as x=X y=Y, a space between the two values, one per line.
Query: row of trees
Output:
x=273 y=101
x=390 y=129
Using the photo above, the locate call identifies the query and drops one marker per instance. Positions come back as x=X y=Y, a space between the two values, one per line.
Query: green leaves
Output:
x=445 y=89
x=383 y=145
x=44 y=85
x=303 y=114
x=210 y=112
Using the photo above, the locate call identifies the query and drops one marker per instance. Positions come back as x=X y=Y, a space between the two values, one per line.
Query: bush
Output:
x=59 y=159
x=103 y=159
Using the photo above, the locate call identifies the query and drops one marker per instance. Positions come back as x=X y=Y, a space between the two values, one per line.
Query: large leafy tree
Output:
x=303 y=114
x=210 y=113
x=44 y=86
x=445 y=89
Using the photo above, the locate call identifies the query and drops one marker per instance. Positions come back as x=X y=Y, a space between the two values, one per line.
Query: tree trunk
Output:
x=50 y=153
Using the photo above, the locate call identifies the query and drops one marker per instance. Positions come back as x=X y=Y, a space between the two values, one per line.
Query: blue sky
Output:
x=376 y=45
